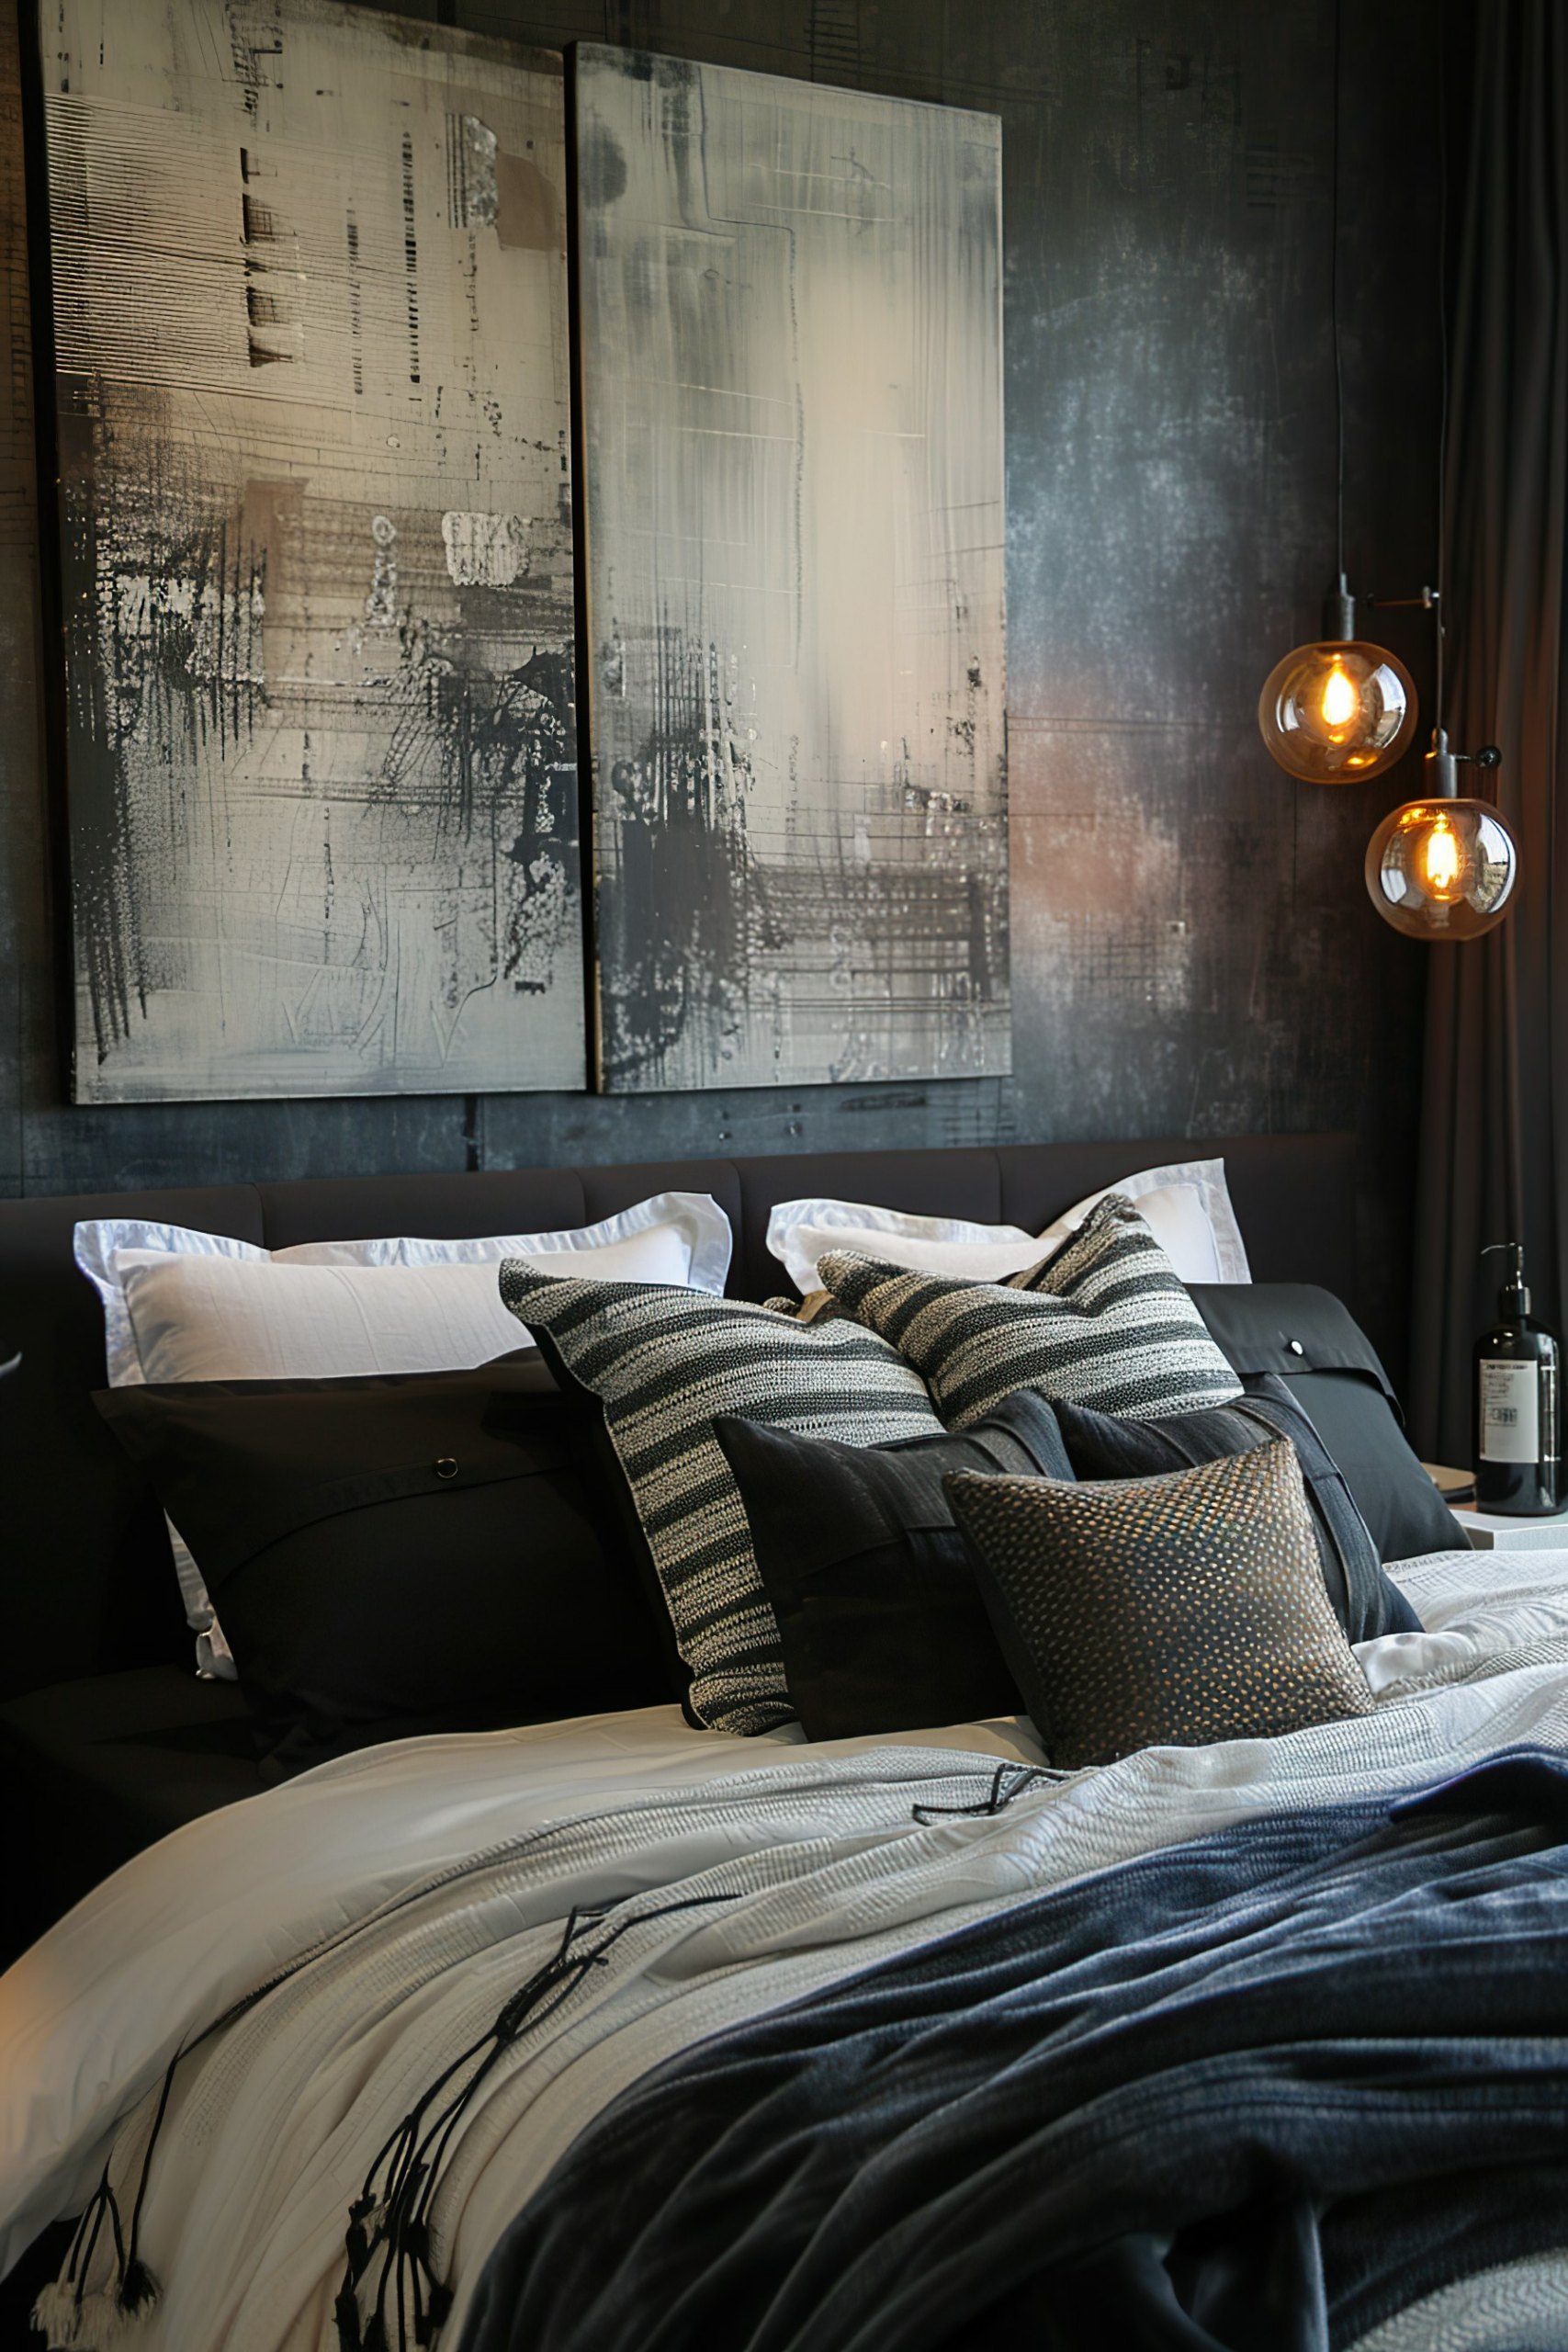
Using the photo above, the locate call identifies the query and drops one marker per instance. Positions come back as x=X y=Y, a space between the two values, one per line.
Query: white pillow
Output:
x=1186 y=1205
x=184 y=1305
x=235 y=1318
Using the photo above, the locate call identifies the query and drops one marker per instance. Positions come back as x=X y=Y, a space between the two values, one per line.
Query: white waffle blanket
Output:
x=399 y=1897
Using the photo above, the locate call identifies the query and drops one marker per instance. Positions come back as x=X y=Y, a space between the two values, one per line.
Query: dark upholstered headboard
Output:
x=90 y=1586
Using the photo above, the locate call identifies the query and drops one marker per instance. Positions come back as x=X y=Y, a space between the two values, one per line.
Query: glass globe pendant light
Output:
x=1340 y=710
x=1444 y=867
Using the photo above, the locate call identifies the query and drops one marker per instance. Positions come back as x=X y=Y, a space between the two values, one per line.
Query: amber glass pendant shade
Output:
x=1443 y=869
x=1338 y=712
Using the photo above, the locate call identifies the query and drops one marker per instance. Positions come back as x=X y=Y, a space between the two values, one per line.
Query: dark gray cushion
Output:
x=1103 y=1445
x=882 y=1623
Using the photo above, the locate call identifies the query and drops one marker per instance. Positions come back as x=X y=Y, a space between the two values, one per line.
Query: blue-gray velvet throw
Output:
x=1258 y=2091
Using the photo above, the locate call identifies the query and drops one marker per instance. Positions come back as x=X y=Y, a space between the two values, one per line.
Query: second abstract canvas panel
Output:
x=790 y=402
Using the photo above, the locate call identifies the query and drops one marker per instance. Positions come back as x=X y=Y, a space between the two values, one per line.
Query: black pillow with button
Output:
x=419 y=1545
x=1308 y=1339
x=1105 y=1446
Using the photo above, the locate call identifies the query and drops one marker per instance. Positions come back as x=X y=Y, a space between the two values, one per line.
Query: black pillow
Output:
x=1102 y=1445
x=881 y=1626
x=405 y=1544
x=1309 y=1340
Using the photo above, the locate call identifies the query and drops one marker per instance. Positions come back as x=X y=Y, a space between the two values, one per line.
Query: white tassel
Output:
x=55 y=2315
x=99 y=2323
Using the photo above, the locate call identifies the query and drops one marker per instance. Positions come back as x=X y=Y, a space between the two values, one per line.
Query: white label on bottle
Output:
x=1510 y=1412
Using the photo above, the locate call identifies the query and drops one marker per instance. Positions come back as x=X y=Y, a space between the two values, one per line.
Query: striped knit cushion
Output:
x=1104 y=1323
x=662 y=1362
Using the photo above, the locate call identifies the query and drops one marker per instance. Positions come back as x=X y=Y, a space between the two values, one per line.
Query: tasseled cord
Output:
x=1002 y=1792
x=392 y=2211
x=70 y=2317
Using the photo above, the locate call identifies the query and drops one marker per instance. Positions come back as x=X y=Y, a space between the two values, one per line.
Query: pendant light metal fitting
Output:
x=1429 y=600
x=1339 y=613
x=1441 y=766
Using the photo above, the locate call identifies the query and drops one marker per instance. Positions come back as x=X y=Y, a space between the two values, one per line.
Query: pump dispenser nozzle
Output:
x=1514 y=1298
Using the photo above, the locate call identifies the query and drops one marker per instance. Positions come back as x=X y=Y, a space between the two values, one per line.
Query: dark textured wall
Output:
x=1194 y=947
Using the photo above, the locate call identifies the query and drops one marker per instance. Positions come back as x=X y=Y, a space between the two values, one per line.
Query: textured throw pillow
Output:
x=662 y=1363
x=421 y=1545
x=1165 y=1612
x=1103 y=1323
x=1308 y=1339
x=1102 y=1445
x=881 y=1622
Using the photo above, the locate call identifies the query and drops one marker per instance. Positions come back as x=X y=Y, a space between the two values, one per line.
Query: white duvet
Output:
x=402 y=1896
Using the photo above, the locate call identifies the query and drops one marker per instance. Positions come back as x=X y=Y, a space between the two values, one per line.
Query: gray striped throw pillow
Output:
x=1103 y=1323
x=662 y=1362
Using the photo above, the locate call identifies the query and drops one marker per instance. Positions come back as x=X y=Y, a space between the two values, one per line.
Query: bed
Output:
x=128 y=1743
x=612 y=2030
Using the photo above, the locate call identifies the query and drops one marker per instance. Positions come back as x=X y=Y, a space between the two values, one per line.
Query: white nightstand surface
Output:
x=1493 y=1531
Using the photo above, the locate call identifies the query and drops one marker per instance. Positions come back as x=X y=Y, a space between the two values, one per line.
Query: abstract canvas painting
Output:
x=310 y=315
x=791 y=395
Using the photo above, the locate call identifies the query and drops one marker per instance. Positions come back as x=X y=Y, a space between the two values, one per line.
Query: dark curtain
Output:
x=1495 y=1126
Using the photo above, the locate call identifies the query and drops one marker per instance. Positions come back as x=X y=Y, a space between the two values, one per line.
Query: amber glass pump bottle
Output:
x=1518 y=1404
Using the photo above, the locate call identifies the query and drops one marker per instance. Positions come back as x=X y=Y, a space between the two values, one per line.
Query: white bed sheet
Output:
x=177 y=1934
x=90 y=2017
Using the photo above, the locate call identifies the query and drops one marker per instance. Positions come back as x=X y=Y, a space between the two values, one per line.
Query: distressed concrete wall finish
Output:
x=1192 y=946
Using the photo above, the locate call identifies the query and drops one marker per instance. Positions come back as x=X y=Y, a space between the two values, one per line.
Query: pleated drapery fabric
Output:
x=1495 y=1125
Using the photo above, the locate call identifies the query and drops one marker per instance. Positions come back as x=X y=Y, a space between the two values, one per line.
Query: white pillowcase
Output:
x=184 y=1305
x=1188 y=1208
x=231 y=1318
x=1186 y=1205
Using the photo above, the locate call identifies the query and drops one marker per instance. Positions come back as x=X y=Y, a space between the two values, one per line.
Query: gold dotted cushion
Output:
x=1167 y=1611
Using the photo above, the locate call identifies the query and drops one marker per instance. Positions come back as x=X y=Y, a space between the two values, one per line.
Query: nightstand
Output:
x=1493 y=1532
x=1454 y=1485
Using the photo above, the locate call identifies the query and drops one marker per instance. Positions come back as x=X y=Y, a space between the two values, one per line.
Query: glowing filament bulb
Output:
x=1336 y=711
x=1443 y=869
x=1338 y=699
x=1441 y=857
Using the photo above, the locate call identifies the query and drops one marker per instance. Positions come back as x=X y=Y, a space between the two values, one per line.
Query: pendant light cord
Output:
x=1334 y=308
x=1442 y=346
